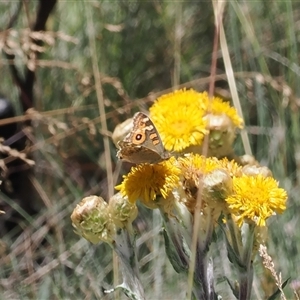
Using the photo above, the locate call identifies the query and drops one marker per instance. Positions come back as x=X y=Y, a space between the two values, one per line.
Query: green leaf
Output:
x=234 y=288
x=232 y=256
x=278 y=292
x=125 y=289
x=173 y=255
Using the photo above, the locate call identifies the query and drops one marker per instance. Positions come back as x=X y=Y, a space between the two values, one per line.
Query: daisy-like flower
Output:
x=178 y=117
x=219 y=107
x=255 y=199
x=150 y=182
x=191 y=164
x=231 y=167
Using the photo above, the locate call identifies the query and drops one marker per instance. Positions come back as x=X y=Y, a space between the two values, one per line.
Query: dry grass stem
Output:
x=269 y=264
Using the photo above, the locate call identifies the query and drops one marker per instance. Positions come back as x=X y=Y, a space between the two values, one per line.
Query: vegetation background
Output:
x=92 y=67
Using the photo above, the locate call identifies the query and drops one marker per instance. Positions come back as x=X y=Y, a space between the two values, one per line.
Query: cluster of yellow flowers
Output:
x=220 y=184
x=188 y=188
x=182 y=119
x=217 y=183
x=194 y=193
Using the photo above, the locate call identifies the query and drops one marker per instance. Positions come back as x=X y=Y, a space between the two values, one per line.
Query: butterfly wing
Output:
x=143 y=144
x=138 y=154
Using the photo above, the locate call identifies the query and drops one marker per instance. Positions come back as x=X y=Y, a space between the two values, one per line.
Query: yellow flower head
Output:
x=178 y=117
x=220 y=107
x=193 y=164
x=148 y=181
x=256 y=198
x=231 y=167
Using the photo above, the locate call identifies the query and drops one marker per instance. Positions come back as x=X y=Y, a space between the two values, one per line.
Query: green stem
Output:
x=200 y=276
x=178 y=255
x=245 y=283
x=234 y=235
x=125 y=249
x=246 y=274
x=203 y=267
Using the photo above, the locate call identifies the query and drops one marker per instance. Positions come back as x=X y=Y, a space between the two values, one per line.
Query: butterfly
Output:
x=143 y=144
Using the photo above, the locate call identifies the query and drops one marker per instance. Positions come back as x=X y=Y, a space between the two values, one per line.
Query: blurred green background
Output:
x=142 y=50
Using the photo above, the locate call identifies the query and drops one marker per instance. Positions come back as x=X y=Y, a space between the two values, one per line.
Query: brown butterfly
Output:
x=143 y=144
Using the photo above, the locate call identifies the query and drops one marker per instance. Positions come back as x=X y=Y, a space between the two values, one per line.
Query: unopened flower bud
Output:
x=247 y=159
x=91 y=220
x=221 y=135
x=121 y=131
x=216 y=187
x=255 y=170
x=122 y=212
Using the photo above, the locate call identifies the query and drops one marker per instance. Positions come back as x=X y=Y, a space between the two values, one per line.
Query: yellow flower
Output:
x=193 y=164
x=220 y=107
x=256 y=198
x=178 y=117
x=231 y=167
x=183 y=118
x=148 y=181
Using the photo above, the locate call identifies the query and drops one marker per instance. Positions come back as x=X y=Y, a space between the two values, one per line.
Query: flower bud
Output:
x=221 y=135
x=255 y=170
x=217 y=185
x=122 y=212
x=91 y=220
x=121 y=131
x=247 y=159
